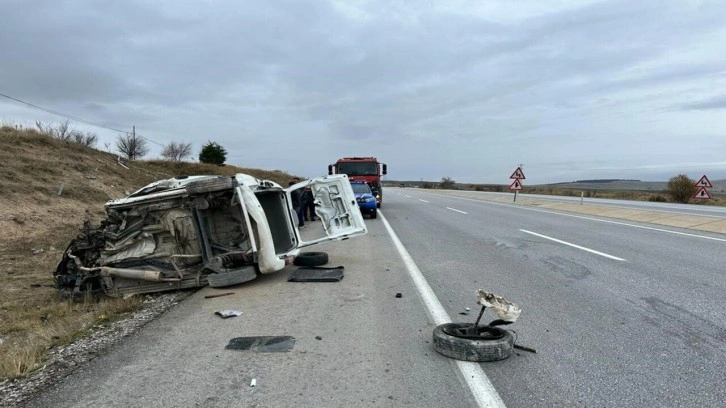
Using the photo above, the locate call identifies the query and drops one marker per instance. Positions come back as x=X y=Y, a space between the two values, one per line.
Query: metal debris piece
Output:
x=506 y=310
x=219 y=295
x=316 y=274
x=262 y=344
x=228 y=313
x=253 y=382
x=398 y=295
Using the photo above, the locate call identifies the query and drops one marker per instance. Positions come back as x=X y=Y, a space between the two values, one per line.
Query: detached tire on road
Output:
x=311 y=259
x=492 y=343
x=220 y=280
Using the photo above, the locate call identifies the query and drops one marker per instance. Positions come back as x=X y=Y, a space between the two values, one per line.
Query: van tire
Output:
x=374 y=214
x=311 y=259
x=209 y=185
x=493 y=345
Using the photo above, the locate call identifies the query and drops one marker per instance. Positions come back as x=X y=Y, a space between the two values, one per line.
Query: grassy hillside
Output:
x=48 y=188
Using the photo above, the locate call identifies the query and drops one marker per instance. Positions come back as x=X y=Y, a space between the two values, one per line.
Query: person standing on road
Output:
x=309 y=206
x=296 y=196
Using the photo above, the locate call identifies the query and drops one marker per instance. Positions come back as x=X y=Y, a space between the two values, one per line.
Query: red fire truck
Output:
x=367 y=169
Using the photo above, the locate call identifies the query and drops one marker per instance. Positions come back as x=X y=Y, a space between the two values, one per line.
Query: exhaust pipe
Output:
x=138 y=274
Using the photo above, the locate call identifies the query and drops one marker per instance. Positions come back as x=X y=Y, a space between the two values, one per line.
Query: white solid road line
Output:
x=481 y=388
x=423 y=201
x=573 y=245
x=454 y=209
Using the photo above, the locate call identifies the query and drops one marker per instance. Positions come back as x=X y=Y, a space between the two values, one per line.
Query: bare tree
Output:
x=64 y=132
x=85 y=138
x=132 y=146
x=60 y=131
x=176 y=151
x=447 y=183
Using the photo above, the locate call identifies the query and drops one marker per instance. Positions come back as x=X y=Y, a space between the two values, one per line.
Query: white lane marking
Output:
x=595 y=219
x=573 y=245
x=454 y=209
x=423 y=201
x=481 y=388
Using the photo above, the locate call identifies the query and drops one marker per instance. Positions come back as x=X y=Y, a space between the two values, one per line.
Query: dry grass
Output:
x=37 y=225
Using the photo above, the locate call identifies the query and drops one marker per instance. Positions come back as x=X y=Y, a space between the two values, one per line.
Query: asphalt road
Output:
x=618 y=315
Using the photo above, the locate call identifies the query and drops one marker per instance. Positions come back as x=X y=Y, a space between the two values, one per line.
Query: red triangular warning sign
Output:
x=518 y=174
x=516 y=185
x=703 y=194
x=703 y=182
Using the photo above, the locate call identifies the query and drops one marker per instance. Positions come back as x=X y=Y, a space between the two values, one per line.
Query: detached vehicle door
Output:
x=335 y=206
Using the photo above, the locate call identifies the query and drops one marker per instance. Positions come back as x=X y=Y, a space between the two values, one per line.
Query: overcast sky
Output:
x=465 y=89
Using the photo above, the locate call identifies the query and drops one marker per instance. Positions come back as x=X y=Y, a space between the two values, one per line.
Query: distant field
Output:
x=616 y=189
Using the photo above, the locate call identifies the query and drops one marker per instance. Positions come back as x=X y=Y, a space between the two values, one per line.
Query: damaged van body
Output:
x=191 y=231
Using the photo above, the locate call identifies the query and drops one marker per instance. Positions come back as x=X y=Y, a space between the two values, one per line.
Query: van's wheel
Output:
x=374 y=214
x=311 y=259
x=488 y=344
x=209 y=185
x=220 y=280
x=378 y=205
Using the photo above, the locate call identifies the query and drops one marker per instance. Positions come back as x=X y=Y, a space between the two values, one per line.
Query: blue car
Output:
x=365 y=199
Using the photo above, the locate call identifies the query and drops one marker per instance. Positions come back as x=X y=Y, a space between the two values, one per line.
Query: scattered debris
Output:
x=37 y=251
x=121 y=163
x=253 y=382
x=262 y=344
x=91 y=177
x=506 y=310
x=525 y=348
x=318 y=338
x=219 y=295
x=464 y=313
x=228 y=313
x=42 y=285
x=398 y=295
x=316 y=274
x=468 y=309
x=60 y=189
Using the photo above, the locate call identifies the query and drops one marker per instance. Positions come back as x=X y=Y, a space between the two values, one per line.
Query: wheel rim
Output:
x=467 y=331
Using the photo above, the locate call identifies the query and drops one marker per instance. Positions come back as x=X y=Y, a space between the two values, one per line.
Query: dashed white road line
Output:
x=593 y=219
x=454 y=209
x=423 y=201
x=481 y=388
x=573 y=245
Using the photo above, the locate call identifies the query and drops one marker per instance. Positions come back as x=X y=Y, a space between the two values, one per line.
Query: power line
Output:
x=75 y=118
x=54 y=112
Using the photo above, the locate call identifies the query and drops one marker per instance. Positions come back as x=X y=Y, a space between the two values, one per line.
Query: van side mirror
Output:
x=385 y=169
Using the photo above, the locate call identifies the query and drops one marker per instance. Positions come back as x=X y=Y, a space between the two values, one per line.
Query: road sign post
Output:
x=516 y=186
x=703 y=185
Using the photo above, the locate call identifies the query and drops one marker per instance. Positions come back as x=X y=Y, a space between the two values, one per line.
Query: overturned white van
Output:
x=191 y=231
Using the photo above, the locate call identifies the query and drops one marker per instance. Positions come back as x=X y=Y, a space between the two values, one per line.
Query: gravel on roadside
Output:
x=61 y=361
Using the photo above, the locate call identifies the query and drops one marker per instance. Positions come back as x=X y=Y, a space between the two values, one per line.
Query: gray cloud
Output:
x=716 y=102
x=455 y=88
